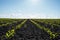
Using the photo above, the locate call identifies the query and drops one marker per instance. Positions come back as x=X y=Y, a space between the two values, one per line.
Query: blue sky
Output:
x=29 y=8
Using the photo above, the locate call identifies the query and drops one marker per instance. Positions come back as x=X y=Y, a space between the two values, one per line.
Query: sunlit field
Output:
x=29 y=29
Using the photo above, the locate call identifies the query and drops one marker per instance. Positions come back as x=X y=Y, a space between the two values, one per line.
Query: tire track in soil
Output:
x=30 y=32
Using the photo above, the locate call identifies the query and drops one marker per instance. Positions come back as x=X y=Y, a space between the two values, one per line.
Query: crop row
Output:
x=52 y=27
x=50 y=21
x=10 y=33
x=5 y=28
x=52 y=34
x=6 y=21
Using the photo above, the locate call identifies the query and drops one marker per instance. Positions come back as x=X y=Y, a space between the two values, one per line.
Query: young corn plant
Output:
x=10 y=33
x=52 y=35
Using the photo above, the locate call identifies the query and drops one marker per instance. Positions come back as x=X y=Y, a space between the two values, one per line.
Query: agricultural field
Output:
x=29 y=29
